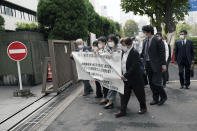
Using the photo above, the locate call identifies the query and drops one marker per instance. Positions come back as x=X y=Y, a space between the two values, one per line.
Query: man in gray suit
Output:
x=153 y=54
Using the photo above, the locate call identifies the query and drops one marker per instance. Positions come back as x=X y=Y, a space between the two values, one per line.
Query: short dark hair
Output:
x=95 y=43
x=118 y=35
x=113 y=37
x=159 y=34
x=184 y=31
x=148 y=28
x=128 y=40
x=102 y=39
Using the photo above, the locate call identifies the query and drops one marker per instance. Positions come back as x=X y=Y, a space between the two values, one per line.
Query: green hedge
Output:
x=20 y=26
x=194 y=39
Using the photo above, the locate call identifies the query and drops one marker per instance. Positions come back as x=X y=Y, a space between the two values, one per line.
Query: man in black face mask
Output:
x=153 y=54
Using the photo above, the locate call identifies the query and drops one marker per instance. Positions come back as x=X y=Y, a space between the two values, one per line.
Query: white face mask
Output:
x=182 y=37
x=80 y=46
x=124 y=48
x=135 y=42
x=111 y=44
x=100 y=46
x=95 y=48
x=119 y=45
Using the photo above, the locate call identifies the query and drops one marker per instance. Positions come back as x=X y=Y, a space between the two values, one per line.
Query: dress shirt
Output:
x=150 y=40
x=124 y=61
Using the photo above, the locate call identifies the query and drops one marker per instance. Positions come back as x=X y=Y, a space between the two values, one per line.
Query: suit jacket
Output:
x=156 y=54
x=134 y=73
x=189 y=51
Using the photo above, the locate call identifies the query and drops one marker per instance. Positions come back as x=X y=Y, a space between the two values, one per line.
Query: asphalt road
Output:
x=178 y=114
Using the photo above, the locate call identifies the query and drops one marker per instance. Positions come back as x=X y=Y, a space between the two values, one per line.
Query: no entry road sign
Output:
x=17 y=51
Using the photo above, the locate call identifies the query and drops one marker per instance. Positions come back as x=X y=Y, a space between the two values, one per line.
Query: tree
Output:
x=194 y=30
x=2 y=22
x=63 y=19
x=181 y=27
x=131 y=28
x=168 y=12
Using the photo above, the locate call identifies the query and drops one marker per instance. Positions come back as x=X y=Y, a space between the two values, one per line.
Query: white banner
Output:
x=105 y=68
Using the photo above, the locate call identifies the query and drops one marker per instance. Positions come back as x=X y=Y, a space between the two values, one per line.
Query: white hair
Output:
x=79 y=41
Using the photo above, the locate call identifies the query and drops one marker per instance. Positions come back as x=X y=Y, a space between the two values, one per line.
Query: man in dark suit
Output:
x=153 y=54
x=184 y=56
x=133 y=79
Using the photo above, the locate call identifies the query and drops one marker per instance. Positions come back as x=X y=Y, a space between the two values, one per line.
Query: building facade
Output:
x=14 y=11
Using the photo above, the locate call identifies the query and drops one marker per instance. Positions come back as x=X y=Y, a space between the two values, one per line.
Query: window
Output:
x=26 y=16
x=18 y=14
x=2 y=9
x=8 y=11
x=17 y=11
x=14 y=12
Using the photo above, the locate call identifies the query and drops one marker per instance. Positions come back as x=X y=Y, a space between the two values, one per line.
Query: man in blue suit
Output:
x=184 y=56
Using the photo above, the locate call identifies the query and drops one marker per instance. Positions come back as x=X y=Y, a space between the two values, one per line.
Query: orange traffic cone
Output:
x=49 y=76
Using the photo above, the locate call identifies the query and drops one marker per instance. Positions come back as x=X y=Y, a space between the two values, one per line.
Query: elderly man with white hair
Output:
x=82 y=48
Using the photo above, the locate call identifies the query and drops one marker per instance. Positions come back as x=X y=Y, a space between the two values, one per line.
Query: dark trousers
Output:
x=98 y=89
x=139 y=93
x=155 y=81
x=164 y=77
x=105 y=92
x=184 y=73
x=87 y=87
x=167 y=72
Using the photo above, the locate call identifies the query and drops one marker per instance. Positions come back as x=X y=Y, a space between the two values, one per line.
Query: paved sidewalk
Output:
x=10 y=105
x=178 y=114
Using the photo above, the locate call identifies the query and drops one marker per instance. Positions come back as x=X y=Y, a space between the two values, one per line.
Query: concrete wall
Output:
x=31 y=67
x=29 y=4
x=10 y=21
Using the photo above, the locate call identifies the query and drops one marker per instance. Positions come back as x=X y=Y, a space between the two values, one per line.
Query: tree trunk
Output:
x=159 y=28
x=170 y=25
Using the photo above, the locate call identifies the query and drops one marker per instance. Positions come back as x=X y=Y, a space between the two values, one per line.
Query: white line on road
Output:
x=174 y=81
x=17 y=51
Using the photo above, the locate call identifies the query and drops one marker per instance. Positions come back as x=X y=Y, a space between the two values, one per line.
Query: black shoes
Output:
x=154 y=102
x=98 y=97
x=162 y=101
x=187 y=87
x=103 y=102
x=182 y=87
x=120 y=114
x=142 y=111
x=111 y=106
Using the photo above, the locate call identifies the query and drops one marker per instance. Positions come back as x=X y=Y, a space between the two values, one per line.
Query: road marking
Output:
x=175 y=81
x=17 y=51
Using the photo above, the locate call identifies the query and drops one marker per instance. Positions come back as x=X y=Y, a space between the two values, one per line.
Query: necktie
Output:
x=147 y=48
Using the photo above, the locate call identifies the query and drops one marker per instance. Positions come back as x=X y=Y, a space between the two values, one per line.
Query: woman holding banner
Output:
x=111 y=95
x=102 y=42
x=98 y=85
x=132 y=77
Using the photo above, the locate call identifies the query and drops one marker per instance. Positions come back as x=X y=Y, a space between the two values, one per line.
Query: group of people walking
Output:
x=142 y=64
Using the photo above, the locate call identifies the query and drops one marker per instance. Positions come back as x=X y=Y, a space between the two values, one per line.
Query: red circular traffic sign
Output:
x=17 y=51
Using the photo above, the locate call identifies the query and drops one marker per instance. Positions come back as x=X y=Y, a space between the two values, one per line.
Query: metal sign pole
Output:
x=19 y=75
